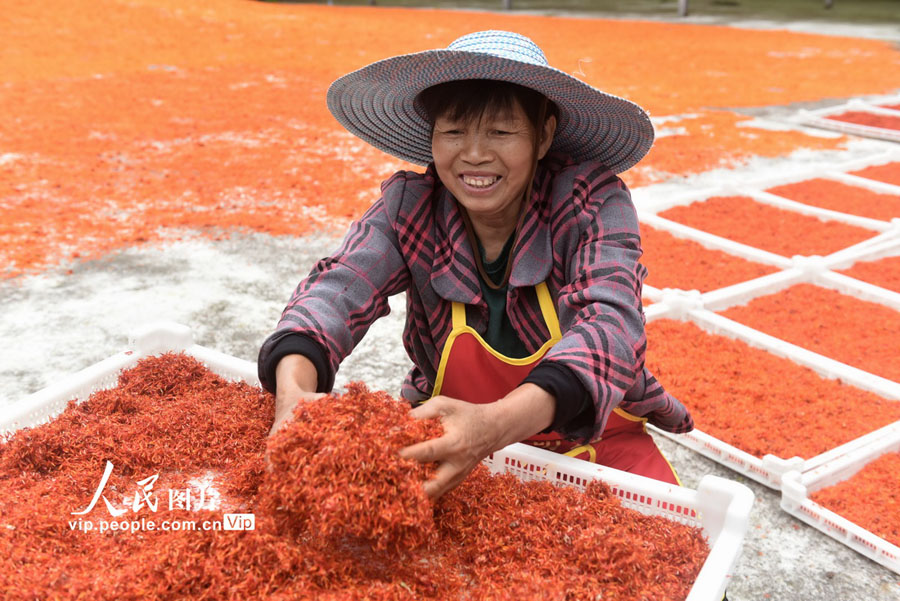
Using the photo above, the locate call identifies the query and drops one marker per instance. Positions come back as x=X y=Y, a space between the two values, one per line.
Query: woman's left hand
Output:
x=472 y=432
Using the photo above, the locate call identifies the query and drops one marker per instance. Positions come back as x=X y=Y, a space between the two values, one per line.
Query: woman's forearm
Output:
x=295 y=378
x=524 y=412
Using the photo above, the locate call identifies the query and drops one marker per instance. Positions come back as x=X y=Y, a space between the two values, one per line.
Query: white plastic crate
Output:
x=719 y=506
x=153 y=339
x=795 y=500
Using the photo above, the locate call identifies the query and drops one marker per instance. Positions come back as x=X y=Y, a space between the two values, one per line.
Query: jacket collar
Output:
x=454 y=275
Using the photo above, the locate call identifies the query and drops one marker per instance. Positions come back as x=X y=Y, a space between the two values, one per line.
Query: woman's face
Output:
x=486 y=163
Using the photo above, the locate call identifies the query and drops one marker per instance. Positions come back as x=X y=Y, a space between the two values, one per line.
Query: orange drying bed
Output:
x=756 y=401
x=870 y=498
x=870 y=119
x=884 y=273
x=856 y=332
x=766 y=227
x=680 y=263
x=829 y=194
x=888 y=173
x=132 y=123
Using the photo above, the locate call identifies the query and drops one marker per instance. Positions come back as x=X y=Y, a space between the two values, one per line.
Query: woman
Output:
x=517 y=249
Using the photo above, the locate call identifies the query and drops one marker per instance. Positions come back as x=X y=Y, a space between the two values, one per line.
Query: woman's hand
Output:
x=472 y=432
x=295 y=382
x=470 y=435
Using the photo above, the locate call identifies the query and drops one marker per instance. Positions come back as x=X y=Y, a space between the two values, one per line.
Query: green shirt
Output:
x=500 y=334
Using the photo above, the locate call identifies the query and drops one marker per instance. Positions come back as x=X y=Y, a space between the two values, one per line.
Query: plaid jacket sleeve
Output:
x=600 y=310
x=347 y=291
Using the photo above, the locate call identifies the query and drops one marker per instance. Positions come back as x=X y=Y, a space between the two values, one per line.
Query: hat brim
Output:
x=377 y=104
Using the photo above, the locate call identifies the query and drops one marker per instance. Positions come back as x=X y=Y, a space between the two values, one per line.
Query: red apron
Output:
x=472 y=371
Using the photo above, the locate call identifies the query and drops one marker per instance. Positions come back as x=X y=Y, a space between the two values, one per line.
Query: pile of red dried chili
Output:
x=336 y=477
x=744 y=220
x=680 y=263
x=870 y=498
x=856 y=332
x=337 y=517
x=888 y=173
x=884 y=272
x=867 y=118
x=829 y=194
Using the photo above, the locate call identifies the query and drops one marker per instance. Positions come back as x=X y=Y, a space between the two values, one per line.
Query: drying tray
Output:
x=795 y=500
x=719 y=506
x=770 y=468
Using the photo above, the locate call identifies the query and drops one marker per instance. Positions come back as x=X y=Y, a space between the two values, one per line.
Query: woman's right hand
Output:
x=295 y=382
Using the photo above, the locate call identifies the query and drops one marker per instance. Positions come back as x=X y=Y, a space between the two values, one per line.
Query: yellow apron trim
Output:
x=550 y=318
x=628 y=416
x=671 y=467
x=458 y=315
x=509 y=360
x=592 y=452
x=458 y=319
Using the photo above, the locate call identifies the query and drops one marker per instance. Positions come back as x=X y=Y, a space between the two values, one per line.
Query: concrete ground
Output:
x=231 y=293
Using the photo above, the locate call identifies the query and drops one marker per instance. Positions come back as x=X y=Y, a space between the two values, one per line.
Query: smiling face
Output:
x=486 y=161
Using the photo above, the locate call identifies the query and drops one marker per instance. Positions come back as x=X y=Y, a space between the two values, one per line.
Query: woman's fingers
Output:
x=427 y=451
x=450 y=472
x=445 y=479
x=468 y=437
x=429 y=410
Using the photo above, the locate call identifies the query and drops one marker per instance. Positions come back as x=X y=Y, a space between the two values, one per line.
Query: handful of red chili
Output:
x=337 y=515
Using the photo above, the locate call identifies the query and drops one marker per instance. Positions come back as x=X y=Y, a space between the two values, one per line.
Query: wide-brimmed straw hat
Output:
x=378 y=102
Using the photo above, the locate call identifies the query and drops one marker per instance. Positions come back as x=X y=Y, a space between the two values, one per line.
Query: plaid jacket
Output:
x=580 y=235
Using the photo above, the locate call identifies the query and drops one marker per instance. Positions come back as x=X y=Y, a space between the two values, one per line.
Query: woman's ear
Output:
x=547 y=136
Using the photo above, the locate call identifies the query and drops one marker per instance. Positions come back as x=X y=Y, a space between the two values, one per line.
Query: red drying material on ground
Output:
x=884 y=272
x=870 y=498
x=829 y=194
x=888 y=173
x=678 y=263
x=756 y=401
x=171 y=417
x=336 y=474
x=766 y=227
x=867 y=118
x=853 y=331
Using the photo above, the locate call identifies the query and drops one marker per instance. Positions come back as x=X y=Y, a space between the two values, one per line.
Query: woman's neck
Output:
x=493 y=239
x=494 y=231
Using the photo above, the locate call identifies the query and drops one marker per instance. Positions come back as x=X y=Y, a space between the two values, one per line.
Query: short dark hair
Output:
x=468 y=99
